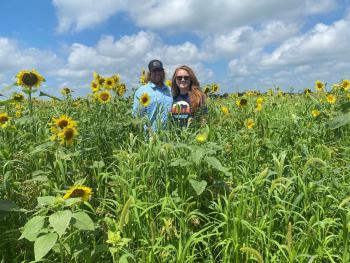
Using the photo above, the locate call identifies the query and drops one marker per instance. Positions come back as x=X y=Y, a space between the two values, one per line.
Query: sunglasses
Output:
x=186 y=78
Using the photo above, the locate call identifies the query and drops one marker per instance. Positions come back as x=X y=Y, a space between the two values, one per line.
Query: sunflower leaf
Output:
x=180 y=162
x=345 y=107
x=72 y=201
x=339 y=121
x=46 y=200
x=215 y=163
x=7 y=205
x=60 y=221
x=41 y=94
x=5 y=102
x=43 y=245
x=198 y=186
x=32 y=228
x=82 y=221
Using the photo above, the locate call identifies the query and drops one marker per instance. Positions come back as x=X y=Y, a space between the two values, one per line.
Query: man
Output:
x=154 y=99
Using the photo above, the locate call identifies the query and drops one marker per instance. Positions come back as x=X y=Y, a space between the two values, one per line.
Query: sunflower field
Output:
x=264 y=179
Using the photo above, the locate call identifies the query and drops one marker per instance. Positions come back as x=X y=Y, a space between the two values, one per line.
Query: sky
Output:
x=241 y=45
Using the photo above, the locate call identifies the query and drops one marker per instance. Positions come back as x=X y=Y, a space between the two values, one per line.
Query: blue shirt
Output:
x=160 y=104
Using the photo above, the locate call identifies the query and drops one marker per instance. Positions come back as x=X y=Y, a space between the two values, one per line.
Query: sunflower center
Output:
x=3 y=119
x=18 y=97
x=30 y=79
x=101 y=81
x=243 y=102
x=77 y=193
x=104 y=96
x=62 y=123
x=68 y=134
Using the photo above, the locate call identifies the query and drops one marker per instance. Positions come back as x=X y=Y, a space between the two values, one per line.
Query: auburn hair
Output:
x=196 y=95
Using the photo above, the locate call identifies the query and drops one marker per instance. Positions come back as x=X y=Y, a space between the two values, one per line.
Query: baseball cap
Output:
x=155 y=64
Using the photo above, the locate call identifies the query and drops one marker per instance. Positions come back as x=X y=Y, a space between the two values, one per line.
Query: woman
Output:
x=188 y=99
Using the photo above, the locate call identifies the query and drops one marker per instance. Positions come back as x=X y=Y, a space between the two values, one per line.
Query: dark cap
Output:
x=155 y=64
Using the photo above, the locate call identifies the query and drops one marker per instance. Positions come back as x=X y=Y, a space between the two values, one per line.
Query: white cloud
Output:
x=321 y=53
x=185 y=15
x=320 y=44
x=76 y=15
x=14 y=57
x=126 y=56
x=243 y=39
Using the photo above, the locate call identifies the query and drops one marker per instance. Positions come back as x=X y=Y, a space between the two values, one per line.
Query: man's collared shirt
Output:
x=159 y=107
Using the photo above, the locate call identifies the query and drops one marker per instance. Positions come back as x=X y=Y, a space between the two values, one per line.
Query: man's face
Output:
x=157 y=76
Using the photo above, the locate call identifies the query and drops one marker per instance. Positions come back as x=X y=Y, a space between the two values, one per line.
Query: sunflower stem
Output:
x=30 y=102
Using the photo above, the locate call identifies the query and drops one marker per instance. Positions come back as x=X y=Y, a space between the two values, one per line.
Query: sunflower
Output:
x=331 y=99
x=81 y=191
x=215 y=87
x=202 y=137
x=95 y=86
x=100 y=80
x=225 y=110
x=59 y=124
x=109 y=83
x=143 y=77
x=4 y=119
x=121 y=89
x=63 y=121
x=168 y=82
x=66 y=91
x=307 y=92
x=319 y=85
x=29 y=79
x=18 y=97
x=249 y=123
x=67 y=135
x=345 y=84
x=116 y=78
x=145 y=99
x=258 y=107
x=241 y=102
x=207 y=89
x=315 y=113
x=259 y=100
x=104 y=96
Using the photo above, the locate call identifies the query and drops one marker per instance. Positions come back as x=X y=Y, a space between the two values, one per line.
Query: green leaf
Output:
x=60 y=221
x=198 y=186
x=180 y=162
x=82 y=221
x=5 y=102
x=43 y=245
x=197 y=155
x=339 y=121
x=42 y=148
x=32 y=228
x=215 y=163
x=41 y=94
x=46 y=200
x=345 y=106
x=7 y=205
x=72 y=201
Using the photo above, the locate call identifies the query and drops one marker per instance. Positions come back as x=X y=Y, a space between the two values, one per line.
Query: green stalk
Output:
x=30 y=102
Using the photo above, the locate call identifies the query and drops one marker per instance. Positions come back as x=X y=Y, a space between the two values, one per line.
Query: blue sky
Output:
x=241 y=45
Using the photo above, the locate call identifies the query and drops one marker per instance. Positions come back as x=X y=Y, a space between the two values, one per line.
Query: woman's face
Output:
x=183 y=80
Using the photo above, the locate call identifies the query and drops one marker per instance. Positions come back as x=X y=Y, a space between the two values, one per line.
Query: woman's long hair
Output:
x=196 y=95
